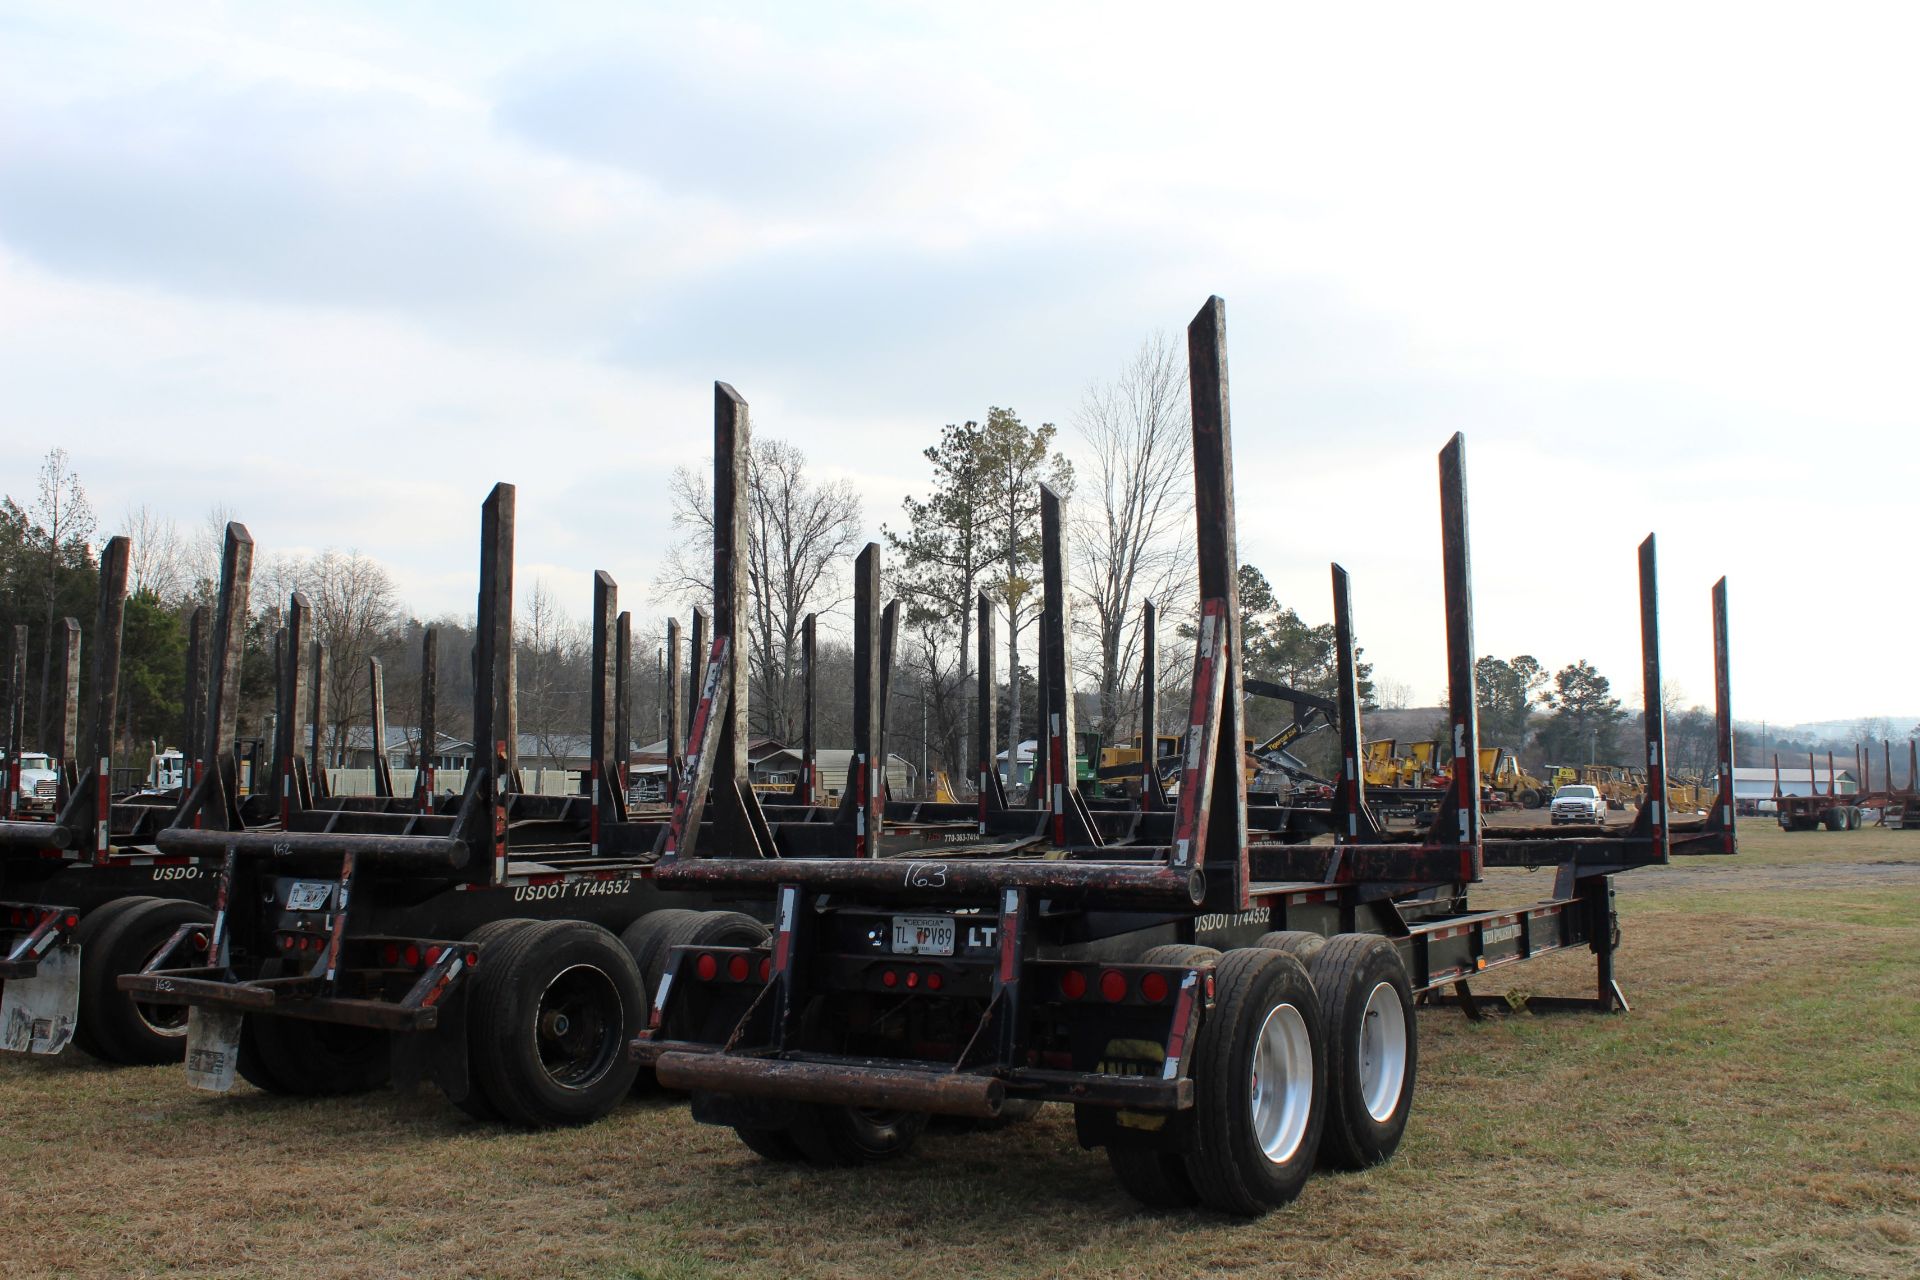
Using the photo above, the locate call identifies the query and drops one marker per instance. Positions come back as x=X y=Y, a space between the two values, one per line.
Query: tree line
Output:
x=973 y=529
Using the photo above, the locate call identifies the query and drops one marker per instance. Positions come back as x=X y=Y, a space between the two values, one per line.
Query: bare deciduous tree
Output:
x=799 y=533
x=158 y=558
x=1129 y=526
x=64 y=520
x=551 y=645
x=354 y=610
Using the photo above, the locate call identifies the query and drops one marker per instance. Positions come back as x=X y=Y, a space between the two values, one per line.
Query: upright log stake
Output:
x=1458 y=820
x=808 y=792
x=992 y=792
x=1225 y=852
x=493 y=685
x=429 y=748
x=377 y=695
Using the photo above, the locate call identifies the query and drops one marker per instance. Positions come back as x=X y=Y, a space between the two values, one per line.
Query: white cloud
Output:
x=348 y=266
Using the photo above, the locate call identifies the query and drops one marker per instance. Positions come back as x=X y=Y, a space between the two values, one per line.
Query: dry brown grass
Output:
x=1757 y=1115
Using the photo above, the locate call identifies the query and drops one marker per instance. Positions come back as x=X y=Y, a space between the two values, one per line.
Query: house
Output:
x=782 y=769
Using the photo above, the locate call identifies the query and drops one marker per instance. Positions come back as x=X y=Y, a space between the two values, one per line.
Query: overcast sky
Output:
x=341 y=267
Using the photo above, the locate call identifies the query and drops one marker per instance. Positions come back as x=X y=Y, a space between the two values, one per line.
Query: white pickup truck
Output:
x=1578 y=802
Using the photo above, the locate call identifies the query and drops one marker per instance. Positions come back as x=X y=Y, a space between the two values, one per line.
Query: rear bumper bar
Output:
x=932 y=1087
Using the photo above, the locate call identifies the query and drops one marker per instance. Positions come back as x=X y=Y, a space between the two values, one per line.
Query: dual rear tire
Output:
x=550 y=1016
x=1308 y=1056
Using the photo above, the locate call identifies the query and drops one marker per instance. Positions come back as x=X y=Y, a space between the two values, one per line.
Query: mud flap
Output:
x=37 y=1014
x=445 y=1047
x=213 y=1048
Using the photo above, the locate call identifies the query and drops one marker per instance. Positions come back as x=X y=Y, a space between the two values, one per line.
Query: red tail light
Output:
x=933 y=982
x=888 y=978
x=1113 y=986
x=1073 y=984
x=766 y=968
x=433 y=954
x=390 y=954
x=706 y=967
x=913 y=979
x=738 y=968
x=1153 y=987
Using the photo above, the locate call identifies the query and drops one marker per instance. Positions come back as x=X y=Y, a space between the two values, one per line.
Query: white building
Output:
x=1757 y=783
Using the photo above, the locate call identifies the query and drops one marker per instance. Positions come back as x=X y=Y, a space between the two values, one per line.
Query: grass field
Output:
x=1758 y=1114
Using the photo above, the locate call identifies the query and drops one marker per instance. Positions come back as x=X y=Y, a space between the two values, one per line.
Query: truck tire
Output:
x=494 y=934
x=90 y=928
x=1530 y=798
x=1157 y=1179
x=642 y=939
x=1372 y=1048
x=1301 y=944
x=299 y=1058
x=831 y=1135
x=693 y=929
x=1836 y=819
x=111 y=1025
x=835 y=1135
x=551 y=1022
x=1259 y=1077
x=776 y=1145
x=1178 y=953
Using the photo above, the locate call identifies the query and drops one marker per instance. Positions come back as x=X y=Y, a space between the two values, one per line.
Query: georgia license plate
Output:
x=309 y=895
x=923 y=935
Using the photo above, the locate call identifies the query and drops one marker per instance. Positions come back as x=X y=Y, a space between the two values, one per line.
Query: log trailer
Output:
x=1222 y=1007
x=86 y=896
x=1819 y=808
x=494 y=942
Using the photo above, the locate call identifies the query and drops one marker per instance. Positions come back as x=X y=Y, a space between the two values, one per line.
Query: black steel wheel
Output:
x=1259 y=1079
x=306 y=1059
x=838 y=1135
x=113 y=1025
x=833 y=1134
x=550 y=1023
x=1372 y=1048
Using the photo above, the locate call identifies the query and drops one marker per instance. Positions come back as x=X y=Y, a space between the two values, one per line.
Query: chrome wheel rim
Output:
x=1383 y=1052
x=1282 y=1094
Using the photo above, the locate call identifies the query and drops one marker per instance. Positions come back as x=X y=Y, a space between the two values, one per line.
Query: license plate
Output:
x=309 y=895
x=923 y=935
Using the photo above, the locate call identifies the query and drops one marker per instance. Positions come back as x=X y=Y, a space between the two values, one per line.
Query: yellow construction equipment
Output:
x=1501 y=770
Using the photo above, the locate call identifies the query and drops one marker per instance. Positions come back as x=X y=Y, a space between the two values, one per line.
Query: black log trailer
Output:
x=85 y=896
x=1221 y=1006
x=494 y=941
